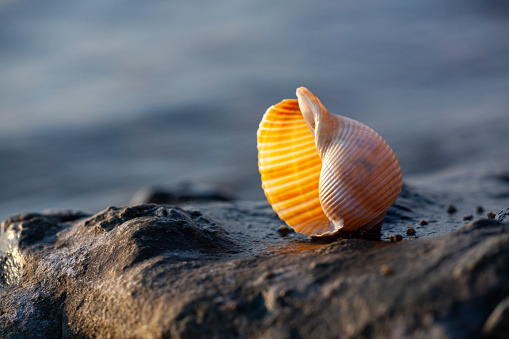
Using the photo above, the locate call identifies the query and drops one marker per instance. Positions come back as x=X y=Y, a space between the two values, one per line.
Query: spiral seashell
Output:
x=322 y=172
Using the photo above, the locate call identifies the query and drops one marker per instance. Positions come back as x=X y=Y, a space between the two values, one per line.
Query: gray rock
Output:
x=503 y=215
x=224 y=271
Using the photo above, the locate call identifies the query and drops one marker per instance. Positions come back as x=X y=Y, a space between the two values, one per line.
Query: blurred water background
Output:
x=99 y=99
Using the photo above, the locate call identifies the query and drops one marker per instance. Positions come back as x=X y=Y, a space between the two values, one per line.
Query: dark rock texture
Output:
x=224 y=271
x=503 y=215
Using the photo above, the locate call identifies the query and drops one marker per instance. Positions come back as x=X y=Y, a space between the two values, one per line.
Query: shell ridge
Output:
x=284 y=181
x=286 y=156
x=286 y=149
x=268 y=152
x=285 y=175
x=287 y=162
x=382 y=155
x=327 y=178
x=297 y=201
x=360 y=183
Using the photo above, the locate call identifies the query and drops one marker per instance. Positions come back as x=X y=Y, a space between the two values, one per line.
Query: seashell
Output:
x=322 y=172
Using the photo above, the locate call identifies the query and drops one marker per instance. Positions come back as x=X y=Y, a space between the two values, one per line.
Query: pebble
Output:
x=397 y=237
x=386 y=270
x=410 y=231
x=491 y=215
x=451 y=209
x=423 y=222
x=468 y=217
x=284 y=230
x=480 y=209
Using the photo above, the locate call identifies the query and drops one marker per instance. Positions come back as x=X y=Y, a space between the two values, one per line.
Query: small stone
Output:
x=396 y=237
x=491 y=215
x=284 y=230
x=386 y=270
x=423 y=222
x=410 y=231
x=480 y=209
x=451 y=209
x=468 y=217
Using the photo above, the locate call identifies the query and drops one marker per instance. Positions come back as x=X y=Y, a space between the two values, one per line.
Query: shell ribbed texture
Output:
x=343 y=177
x=360 y=177
x=290 y=168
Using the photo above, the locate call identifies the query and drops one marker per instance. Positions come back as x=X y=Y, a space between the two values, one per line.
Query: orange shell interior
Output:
x=290 y=168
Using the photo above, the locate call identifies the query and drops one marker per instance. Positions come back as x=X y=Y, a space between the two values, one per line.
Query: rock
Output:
x=222 y=270
x=180 y=193
x=503 y=215
x=451 y=209
x=31 y=228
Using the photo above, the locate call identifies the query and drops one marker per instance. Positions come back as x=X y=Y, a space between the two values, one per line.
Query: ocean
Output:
x=100 y=99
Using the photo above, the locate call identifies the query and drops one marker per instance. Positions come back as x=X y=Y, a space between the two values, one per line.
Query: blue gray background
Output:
x=99 y=99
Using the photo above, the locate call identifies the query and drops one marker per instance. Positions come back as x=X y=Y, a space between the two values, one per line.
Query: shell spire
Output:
x=323 y=172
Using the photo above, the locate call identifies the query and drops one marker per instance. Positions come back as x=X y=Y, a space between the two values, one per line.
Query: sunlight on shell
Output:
x=322 y=172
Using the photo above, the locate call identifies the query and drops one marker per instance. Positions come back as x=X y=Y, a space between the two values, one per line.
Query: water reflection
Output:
x=295 y=246
x=296 y=243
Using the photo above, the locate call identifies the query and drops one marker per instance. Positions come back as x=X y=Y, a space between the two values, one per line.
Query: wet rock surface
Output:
x=503 y=215
x=225 y=270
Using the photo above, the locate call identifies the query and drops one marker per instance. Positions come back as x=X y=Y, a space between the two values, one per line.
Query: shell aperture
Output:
x=322 y=172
